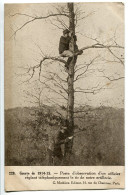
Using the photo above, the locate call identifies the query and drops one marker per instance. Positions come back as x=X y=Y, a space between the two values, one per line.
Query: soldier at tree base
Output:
x=65 y=47
x=57 y=142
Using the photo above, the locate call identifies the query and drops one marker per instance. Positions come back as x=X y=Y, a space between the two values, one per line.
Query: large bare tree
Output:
x=65 y=88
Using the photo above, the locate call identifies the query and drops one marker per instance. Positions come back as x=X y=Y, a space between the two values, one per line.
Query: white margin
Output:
x=1 y=97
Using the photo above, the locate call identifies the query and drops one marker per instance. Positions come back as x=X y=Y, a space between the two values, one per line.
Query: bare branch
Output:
x=56 y=75
x=56 y=103
x=87 y=66
x=93 y=91
x=116 y=56
x=101 y=46
x=61 y=22
x=21 y=14
x=86 y=16
x=34 y=97
x=31 y=70
x=111 y=78
x=110 y=61
x=34 y=19
x=62 y=28
x=56 y=84
x=59 y=59
x=53 y=90
x=93 y=39
x=114 y=79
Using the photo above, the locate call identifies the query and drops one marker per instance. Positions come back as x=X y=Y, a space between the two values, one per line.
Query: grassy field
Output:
x=99 y=136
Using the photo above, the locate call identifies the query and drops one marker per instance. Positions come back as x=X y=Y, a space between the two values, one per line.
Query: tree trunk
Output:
x=70 y=109
x=70 y=104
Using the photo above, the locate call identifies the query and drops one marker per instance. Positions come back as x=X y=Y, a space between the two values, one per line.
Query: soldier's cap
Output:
x=66 y=31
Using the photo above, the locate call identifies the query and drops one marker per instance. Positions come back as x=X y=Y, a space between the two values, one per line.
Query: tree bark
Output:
x=70 y=107
x=70 y=104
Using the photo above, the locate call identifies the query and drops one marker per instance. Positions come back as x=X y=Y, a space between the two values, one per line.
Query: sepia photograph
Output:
x=64 y=84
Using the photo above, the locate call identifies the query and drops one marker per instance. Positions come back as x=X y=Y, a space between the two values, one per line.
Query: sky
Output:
x=105 y=21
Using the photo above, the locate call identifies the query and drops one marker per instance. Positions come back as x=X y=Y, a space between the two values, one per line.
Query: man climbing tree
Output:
x=64 y=44
x=66 y=49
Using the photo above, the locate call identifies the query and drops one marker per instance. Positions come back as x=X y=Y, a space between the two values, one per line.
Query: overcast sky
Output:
x=106 y=22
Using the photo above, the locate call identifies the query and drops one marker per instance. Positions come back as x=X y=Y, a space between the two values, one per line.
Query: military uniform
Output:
x=64 y=44
x=65 y=48
x=55 y=150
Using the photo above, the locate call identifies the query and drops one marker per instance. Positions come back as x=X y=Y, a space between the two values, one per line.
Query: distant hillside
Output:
x=99 y=135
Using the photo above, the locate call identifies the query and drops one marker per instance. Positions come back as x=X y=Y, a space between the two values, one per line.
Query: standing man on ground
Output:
x=57 y=146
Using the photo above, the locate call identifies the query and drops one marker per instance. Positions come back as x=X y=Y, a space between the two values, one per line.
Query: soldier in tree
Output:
x=65 y=47
x=64 y=44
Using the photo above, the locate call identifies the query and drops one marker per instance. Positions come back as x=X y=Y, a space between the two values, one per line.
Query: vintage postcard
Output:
x=64 y=96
